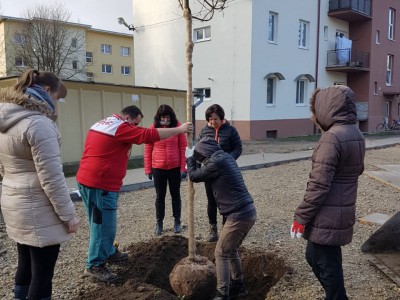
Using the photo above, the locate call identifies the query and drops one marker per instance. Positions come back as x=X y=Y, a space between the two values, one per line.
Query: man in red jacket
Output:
x=101 y=171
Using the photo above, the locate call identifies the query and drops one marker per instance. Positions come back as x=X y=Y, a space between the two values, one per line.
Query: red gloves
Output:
x=297 y=230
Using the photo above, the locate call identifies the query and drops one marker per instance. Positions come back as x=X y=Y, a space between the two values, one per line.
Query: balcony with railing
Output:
x=350 y=10
x=347 y=60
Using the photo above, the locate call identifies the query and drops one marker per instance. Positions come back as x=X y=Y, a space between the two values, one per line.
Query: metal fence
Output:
x=347 y=58
x=362 y=6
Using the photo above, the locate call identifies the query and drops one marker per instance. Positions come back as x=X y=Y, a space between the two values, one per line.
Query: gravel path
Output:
x=277 y=191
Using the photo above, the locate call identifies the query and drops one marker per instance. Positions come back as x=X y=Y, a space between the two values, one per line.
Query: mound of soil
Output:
x=146 y=274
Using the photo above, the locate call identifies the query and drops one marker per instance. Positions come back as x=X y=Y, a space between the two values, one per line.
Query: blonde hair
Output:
x=31 y=77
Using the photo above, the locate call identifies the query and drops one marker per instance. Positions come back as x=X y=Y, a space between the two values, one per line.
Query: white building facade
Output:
x=258 y=59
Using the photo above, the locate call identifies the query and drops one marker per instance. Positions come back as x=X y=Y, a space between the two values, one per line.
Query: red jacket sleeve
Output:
x=148 y=154
x=132 y=134
x=182 y=140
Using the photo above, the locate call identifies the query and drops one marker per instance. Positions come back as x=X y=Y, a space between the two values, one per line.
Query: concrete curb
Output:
x=245 y=165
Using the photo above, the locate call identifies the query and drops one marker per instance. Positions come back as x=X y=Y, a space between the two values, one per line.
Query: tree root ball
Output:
x=194 y=278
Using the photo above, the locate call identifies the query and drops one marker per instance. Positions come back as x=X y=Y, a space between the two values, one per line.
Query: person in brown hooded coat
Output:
x=326 y=216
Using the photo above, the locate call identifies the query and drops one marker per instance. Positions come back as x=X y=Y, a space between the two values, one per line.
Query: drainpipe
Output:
x=317 y=49
x=318 y=30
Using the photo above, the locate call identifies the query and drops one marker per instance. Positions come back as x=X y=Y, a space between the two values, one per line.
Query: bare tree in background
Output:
x=47 y=41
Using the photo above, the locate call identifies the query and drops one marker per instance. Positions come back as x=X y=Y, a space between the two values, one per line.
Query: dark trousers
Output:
x=36 y=269
x=173 y=179
x=326 y=263
x=211 y=204
x=227 y=259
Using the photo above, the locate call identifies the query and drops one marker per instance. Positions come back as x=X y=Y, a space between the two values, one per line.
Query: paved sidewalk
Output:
x=135 y=179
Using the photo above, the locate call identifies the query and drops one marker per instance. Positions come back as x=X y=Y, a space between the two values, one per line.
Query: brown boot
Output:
x=213 y=237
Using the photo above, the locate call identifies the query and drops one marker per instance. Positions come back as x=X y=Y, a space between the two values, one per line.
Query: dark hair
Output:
x=165 y=110
x=62 y=90
x=31 y=77
x=133 y=111
x=215 y=109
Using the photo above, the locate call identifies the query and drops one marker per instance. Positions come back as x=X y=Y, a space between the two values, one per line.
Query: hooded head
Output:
x=333 y=105
x=205 y=148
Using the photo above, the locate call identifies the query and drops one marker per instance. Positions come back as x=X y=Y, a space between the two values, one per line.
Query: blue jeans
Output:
x=101 y=208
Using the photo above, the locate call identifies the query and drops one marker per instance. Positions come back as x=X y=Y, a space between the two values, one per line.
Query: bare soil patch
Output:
x=145 y=275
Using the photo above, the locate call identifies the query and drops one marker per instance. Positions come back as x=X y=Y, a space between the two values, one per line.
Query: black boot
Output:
x=237 y=288
x=177 y=227
x=219 y=296
x=21 y=292
x=213 y=237
x=159 y=228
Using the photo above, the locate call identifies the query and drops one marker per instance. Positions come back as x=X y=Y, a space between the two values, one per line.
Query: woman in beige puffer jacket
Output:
x=35 y=201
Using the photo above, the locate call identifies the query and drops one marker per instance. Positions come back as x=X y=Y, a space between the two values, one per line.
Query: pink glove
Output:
x=297 y=230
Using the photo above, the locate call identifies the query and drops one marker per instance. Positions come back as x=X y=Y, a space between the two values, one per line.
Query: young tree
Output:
x=47 y=41
x=206 y=10
x=194 y=276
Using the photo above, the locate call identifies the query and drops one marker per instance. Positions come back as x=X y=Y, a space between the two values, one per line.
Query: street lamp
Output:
x=121 y=21
x=200 y=99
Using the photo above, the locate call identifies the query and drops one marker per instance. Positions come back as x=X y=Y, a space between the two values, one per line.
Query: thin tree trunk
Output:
x=189 y=99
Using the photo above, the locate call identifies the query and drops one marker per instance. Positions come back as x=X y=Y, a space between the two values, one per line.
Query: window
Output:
x=377 y=37
x=375 y=88
x=75 y=64
x=272 y=27
x=301 y=86
x=125 y=51
x=339 y=83
x=270 y=91
x=325 y=33
x=19 y=39
x=19 y=62
x=303 y=34
x=203 y=92
x=389 y=68
x=74 y=42
x=106 y=49
x=202 y=34
x=391 y=24
x=89 y=76
x=89 y=57
x=125 y=70
x=106 y=69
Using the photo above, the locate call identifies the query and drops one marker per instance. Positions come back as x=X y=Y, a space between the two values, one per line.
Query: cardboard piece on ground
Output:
x=374 y=218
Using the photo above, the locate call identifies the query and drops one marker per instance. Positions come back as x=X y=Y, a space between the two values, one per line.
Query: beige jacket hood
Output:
x=35 y=200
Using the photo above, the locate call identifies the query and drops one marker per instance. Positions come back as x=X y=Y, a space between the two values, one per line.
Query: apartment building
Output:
x=372 y=69
x=256 y=59
x=109 y=57
x=87 y=54
x=261 y=61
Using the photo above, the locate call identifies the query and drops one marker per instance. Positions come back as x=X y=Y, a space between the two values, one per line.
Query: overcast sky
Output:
x=101 y=14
